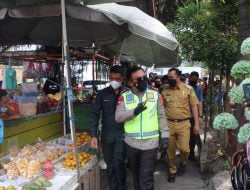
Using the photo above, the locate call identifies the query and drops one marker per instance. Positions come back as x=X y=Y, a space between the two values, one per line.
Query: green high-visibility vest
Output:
x=144 y=125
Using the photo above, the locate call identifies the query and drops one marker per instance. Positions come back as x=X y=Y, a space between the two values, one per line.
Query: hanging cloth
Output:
x=10 y=78
x=4 y=79
x=1 y=131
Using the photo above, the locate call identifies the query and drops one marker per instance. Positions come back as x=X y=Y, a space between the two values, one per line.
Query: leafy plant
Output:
x=225 y=121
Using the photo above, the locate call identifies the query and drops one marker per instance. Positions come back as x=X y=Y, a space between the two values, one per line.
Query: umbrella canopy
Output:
x=43 y=25
x=150 y=43
x=18 y=3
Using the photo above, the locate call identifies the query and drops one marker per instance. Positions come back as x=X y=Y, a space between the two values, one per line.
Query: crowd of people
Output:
x=141 y=116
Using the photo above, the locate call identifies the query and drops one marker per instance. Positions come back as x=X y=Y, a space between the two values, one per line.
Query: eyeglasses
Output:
x=141 y=78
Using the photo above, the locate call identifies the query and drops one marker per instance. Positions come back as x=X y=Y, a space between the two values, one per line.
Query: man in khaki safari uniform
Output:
x=178 y=98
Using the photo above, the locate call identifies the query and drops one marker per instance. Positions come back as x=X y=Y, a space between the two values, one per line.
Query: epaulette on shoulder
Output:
x=125 y=90
x=153 y=88
x=188 y=86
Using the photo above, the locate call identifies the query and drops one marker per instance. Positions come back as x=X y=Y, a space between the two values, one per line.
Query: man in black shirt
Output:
x=111 y=132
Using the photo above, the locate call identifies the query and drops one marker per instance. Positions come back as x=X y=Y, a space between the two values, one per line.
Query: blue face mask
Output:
x=3 y=110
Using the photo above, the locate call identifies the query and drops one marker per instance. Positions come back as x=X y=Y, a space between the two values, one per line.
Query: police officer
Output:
x=112 y=132
x=142 y=111
x=178 y=98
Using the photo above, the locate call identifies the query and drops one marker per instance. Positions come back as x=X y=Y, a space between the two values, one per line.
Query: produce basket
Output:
x=68 y=144
x=59 y=166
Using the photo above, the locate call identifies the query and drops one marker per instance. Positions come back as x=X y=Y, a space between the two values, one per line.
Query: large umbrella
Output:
x=150 y=41
x=42 y=24
x=18 y=3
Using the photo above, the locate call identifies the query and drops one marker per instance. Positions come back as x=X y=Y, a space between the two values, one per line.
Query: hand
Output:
x=196 y=129
x=94 y=143
x=246 y=104
x=140 y=108
x=163 y=144
x=201 y=122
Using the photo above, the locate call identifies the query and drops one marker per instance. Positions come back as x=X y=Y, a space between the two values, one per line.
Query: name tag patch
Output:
x=150 y=96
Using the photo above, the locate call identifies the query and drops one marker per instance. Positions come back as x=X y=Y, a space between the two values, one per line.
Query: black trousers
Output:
x=142 y=163
x=194 y=139
x=114 y=156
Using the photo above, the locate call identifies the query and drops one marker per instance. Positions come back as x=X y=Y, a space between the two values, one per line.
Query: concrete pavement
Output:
x=190 y=181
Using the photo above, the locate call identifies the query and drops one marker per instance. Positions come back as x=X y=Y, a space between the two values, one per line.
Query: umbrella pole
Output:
x=121 y=51
x=66 y=60
x=63 y=98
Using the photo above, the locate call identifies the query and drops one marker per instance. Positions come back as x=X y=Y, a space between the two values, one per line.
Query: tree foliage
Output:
x=207 y=32
x=167 y=9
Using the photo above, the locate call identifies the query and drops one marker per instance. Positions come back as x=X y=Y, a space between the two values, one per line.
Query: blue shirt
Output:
x=199 y=93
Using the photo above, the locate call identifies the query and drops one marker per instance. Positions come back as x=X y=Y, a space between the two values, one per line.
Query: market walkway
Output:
x=190 y=181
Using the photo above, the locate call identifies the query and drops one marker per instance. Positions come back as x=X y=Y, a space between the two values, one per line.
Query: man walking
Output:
x=178 y=98
x=142 y=111
x=195 y=139
x=112 y=132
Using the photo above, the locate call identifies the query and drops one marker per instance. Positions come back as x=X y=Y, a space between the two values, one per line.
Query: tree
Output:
x=244 y=21
x=167 y=9
x=207 y=33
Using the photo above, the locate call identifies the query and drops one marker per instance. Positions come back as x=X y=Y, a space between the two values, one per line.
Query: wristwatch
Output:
x=201 y=116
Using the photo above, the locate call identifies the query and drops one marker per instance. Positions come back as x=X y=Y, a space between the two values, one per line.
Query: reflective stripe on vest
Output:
x=144 y=125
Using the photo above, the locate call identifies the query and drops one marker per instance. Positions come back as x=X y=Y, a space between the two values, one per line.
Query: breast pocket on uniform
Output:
x=167 y=99
x=183 y=99
x=108 y=105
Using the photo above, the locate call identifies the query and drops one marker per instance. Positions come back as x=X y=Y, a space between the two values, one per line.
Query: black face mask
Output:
x=172 y=82
x=193 y=83
x=157 y=85
x=141 y=85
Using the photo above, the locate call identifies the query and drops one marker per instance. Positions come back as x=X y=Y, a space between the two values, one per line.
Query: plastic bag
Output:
x=22 y=164
x=34 y=168
x=13 y=148
x=12 y=170
x=27 y=151
x=29 y=71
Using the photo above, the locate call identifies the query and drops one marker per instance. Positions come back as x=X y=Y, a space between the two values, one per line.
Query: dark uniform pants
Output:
x=142 y=163
x=194 y=139
x=114 y=156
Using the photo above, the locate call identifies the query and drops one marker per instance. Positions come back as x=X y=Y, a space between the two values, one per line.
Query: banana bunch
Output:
x=57 y=96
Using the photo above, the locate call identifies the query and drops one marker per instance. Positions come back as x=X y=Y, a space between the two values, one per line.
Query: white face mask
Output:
x=3 y=110
x=115 y=85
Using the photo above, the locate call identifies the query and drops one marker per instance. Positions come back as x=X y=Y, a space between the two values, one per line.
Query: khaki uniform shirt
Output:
x=177 y=101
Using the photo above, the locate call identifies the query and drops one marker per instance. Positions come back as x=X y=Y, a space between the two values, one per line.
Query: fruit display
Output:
x=38 y=184
x=34 y=168
x=28 y=162
x=48 y=170
x=81 y=138
x=13 y=151
x=70 y=160
x=12 y=170
x=53 y=153
x=10 y=187
x=27 y=108
x=27 y=151
x=22 y=166
x=56 y=96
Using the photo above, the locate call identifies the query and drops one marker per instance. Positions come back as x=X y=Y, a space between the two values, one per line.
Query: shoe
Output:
x=171 y=178
x=192 y=158
x=181 y=170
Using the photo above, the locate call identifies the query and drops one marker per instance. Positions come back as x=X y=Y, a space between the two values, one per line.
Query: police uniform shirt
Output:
x=177 y=101
x=123 y=115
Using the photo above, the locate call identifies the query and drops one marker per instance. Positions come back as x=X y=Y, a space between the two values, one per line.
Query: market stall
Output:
x=65 y=162
x=40 y=105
